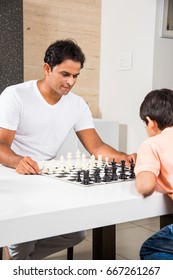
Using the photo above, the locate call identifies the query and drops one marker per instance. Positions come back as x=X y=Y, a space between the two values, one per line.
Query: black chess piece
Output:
x=114 y=176
x=97 y=178
x=86 y=178
x=132 y=173
x=78 y=178
x=122 y=175
x=113 y=163
x=106 y=177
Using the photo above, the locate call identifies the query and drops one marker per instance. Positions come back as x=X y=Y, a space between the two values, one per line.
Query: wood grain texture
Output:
x=46 y=21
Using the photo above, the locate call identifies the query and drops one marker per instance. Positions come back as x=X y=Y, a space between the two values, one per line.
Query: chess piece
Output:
x=122 y=175
x=78 y=179
x=114 y=176
x=61 y=163
x=52 y=168
x=132 y=167
x=97 y=178
x=69 y=164
x=106 y=177
x=44 y=168
x=99 y=161
x=86 y=178
x=107 y=161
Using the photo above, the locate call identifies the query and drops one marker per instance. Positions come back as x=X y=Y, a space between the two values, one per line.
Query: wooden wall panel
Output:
x=11 y=43
x=46 y=21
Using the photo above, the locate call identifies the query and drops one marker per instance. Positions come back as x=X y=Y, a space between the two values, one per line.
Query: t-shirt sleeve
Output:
x=10 y=109
x=147 y=159
x=85 y=120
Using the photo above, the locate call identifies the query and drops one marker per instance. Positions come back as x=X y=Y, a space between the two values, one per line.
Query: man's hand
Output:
x=131 y=158
x=27 y=166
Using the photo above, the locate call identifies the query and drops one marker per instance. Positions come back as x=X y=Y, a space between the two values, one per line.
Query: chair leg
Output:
x=1 y=253
x=70 y=253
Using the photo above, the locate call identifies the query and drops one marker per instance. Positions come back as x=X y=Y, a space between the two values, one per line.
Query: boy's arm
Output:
x=145 y=183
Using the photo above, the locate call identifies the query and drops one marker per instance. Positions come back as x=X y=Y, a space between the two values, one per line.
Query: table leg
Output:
x=166 y=220
x=1 y=251
x=104 y=244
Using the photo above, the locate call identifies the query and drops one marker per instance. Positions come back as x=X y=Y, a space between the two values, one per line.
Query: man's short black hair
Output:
x=62 y=50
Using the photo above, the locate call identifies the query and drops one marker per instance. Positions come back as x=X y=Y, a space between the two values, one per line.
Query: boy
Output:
x=154 y=165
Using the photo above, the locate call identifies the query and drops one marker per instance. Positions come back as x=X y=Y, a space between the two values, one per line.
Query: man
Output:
x=35 y=119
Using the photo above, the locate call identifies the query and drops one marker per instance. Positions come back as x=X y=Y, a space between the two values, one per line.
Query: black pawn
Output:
x=97 y=178
x=106 y=177
x=78 y=178
x=86 y=178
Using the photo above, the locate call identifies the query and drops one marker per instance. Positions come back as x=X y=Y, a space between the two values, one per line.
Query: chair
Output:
x=69 y=253
x=1 y=249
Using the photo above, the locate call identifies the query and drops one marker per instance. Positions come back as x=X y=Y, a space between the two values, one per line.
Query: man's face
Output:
x=63 y=76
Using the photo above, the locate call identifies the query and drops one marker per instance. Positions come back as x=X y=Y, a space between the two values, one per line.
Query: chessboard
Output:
x=87 y=171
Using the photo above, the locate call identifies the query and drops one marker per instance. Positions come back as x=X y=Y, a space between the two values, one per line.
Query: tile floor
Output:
x=129 y=237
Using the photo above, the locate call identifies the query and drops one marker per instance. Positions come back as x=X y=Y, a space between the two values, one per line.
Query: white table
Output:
x=35 y=206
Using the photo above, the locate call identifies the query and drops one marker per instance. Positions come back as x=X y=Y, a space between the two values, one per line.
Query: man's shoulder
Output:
x=19 y=86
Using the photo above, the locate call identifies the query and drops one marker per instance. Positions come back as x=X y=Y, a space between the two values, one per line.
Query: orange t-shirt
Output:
x=156 y=155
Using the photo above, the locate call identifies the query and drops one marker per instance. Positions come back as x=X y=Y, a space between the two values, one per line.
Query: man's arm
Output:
x=145 y=183
x=95 y=146
x=23 y=165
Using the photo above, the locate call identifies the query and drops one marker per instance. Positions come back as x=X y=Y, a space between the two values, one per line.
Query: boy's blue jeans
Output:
x=159 y=246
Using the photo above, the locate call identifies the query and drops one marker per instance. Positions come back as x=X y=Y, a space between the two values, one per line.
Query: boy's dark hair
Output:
x=61 y=50
x=158 y=106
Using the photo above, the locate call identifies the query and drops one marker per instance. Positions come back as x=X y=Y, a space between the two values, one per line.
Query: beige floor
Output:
x=129 y=238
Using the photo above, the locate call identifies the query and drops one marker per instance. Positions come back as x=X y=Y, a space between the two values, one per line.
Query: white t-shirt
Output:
x=41 y=128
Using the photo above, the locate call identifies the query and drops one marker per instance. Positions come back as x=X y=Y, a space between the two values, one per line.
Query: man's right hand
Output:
x=27 y=166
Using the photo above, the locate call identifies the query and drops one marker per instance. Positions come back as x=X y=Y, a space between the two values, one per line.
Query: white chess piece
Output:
x=83 y=163
x=92 y=162
x=106 y=161
x=44 y=168
x=78 y=154
x=78 y=164
x=69 y=164
x=61 y=164
x=99 y=161
x=52 y=168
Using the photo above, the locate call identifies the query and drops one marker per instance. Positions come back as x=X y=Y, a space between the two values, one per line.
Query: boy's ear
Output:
x=150 y=122
x=152 y=125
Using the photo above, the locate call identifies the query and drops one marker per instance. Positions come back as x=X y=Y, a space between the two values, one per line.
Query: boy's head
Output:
x=62 y=50
x=158 y=107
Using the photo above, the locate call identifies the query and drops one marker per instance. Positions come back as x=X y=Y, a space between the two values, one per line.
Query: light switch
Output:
x=124 y=61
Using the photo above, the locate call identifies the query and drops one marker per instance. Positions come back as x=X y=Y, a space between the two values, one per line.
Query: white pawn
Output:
x=69 y=161
x=106 y=161
x=99 y=161
x=44 y=168
x=83 y=161
x=78 y=164
x=93 y=159
x=52 y=167
x=92 y=162
x=78 y=154
x=61 y=164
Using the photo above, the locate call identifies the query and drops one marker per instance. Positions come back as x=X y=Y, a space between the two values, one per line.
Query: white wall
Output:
x=163 y=55
x=127 y=26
